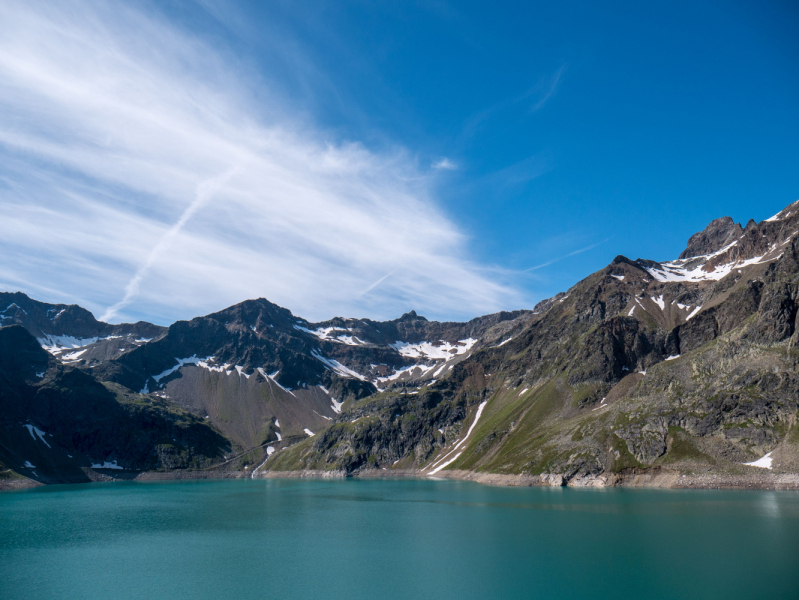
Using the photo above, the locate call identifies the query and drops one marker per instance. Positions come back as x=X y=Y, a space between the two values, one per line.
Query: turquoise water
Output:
x=394 y=539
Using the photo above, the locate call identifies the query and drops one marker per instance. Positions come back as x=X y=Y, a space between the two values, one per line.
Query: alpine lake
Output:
x=385 y=539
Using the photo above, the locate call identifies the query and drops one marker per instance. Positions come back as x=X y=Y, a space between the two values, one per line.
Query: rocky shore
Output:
x=650 y=478
x=658 y=478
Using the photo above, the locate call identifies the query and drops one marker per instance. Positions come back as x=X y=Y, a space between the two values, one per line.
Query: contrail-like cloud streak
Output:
x=110 y=115
x=565 y=256
x=205 y=191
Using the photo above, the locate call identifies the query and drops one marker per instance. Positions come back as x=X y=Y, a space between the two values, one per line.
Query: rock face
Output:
x=683 y=366
x=61 y=320
x=71 y=332
x=720 y=233
x=57 y=421
x=261 y=375
x=256 y=374
x=686 y=365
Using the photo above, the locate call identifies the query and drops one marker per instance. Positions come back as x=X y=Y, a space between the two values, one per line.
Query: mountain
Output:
x=57 y=422
x=260 y=377
x=260 y=374
x=677 y=369
x=671 y=373
x=71 y=332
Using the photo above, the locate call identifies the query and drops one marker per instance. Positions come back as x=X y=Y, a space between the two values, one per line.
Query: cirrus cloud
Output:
x=145 y=176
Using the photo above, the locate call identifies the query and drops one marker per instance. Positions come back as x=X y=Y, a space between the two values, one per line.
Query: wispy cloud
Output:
x=143 y=174
x=538 y=95
x=445 y=164
x=565 y=256
x=205 y=191
x=549 y=90
x=375 y=284
x=516 y=174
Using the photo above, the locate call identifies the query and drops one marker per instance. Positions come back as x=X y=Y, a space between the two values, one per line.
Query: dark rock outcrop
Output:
x=718 y=234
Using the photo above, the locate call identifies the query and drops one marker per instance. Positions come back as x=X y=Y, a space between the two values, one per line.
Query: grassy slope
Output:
x=727 y=401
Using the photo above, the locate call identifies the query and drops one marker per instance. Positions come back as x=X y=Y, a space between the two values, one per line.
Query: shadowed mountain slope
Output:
x=57 y=422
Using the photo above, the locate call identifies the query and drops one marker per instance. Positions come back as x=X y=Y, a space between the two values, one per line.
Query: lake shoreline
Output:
x=656 y=478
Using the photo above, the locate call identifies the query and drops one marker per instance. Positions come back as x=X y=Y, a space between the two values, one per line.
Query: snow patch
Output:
x=443 y=350
x=777 y=217
x=693 y=313
x=524 y=390
x=73 y=356
x=409 y=370
x=468 y=433
x=675 y=271
x=673 y=357
x=329 y=334
x=660 y=302
x=204 y=364
x=619 y=277
x=38 y=432
x=336 y=405
x=273 y=380
x=336 y=366
x=55 y=344
x=763 y=462
x=29 y=465
x=450 y=461
x=192 y=360
x=438 y=371
x=308 y=432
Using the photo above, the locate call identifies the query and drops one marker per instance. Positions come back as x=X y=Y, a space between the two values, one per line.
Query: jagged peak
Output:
x=411 y=316
x=718 y=234
x=784 y=213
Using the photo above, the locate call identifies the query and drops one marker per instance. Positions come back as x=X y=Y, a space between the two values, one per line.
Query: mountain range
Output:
x=675 y=373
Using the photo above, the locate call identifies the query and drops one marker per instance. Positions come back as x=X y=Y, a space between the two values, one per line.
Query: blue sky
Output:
x=161 y=161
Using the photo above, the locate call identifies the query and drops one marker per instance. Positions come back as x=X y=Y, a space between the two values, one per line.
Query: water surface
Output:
x=394 y=539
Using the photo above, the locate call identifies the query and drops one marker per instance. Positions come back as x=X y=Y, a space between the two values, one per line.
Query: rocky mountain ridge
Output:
x=684 y=366
x=257 y=375
x=71 y=332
